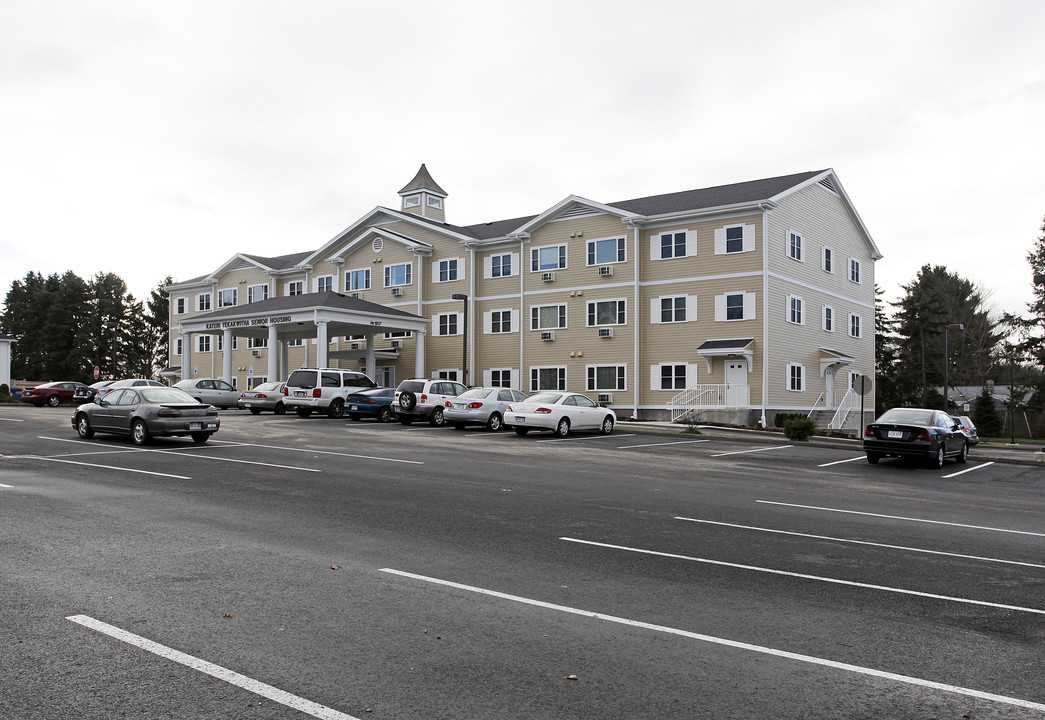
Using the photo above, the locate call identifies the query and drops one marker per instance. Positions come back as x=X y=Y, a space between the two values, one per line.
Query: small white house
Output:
x=6 y=341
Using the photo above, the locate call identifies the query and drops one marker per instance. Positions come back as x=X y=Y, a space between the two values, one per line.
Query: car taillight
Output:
x=317 y=393
x=543 y=411
x=868 y=432
x=243 y=394
x=212 y=411
x=925 y=436
x=366 y=400
x=285 y=391
x=424 y=398
x=447 y=404
x=169 y=412
x=260 y=396
x=474 y=405
x=509 y=409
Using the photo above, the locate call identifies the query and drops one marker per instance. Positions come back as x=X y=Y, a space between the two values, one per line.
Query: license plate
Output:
x=520 y=419
x=299 y=393
x=352 y=407
x=897 y=434
x=459 y=406
x=246 y=405
x=195 y=426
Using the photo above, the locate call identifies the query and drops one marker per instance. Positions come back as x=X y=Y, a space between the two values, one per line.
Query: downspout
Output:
x=523 y=317
x=638 y=315
x=475 y=321
x=765 y=315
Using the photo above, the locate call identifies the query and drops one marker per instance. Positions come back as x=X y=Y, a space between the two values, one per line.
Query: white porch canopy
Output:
x=303 y=317
x=730 y=347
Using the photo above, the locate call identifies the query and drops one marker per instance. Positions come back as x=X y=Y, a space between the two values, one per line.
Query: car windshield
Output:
x=549 y=398
x=165 y=395
x=266 y=386
x=475 y=393
x=911 y=416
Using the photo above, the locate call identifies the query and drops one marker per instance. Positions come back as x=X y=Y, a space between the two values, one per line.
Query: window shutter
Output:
x=435 y=271
x=516 y=327
x=691 y=374
x=487 y=271
x=515 y=266
x=720 y=307
x=487 y=325
x=691 y=243
x=691 y=308
x=461 y=268
x=749 y=306
x=654 y=377
x=487 y=378
x=460 y=323
x=654 y=246
x=654 y=310
x=514 y=375
x=749 y=238
x=720 y=241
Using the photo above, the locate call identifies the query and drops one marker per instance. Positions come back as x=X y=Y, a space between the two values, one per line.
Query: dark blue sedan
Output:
x=374 y=403
x=931 y=435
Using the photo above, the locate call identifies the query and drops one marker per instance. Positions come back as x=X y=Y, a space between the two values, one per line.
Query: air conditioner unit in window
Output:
x=605 y=332
x=397 y=343
x=548 y=277
x=547 y=335
x=397 y=291
x=355 y=295
x=355 y=346
x=606 y=271
x=255 y=353
x=605 y=397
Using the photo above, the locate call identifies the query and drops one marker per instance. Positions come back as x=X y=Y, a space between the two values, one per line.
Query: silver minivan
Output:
x=323 y=390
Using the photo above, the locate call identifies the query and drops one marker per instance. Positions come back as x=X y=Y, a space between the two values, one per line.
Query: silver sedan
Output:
x=481 y=406
x=559 y=412
x=266 y=396
x=146 y=412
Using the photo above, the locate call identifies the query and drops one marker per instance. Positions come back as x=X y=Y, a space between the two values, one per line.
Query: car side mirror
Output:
x=103 y=403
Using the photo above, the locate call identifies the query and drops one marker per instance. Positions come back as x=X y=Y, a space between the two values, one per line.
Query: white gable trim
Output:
x=551 y=213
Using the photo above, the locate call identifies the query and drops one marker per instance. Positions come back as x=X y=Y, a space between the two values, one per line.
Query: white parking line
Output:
x=810 y=659
x=12 y=420
x=743 y=452
x=839 y=462
x=113 y=467
x=818 y=578
x=233 y=678
x=6 y=486
x=677 y=442
x=962 y=472
x=900 y=517
x=339 y=454
x=181 y=451
x=588 y=437
x=861 y=542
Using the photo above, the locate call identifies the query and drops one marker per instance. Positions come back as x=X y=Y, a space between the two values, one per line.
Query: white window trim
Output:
x=617 y=367
x=395 y=265
x=235 y=297
x=412 y=201
x=801 y=246
x=368 y=274
x=513 y=318
x=747 y=244
x=801 y=310
x=566 y=316
x=655 y=243
x=200 y=340
x=182 y=303
x=435 y=202
x=823 y=259
x=435 y=270
x=749 y=306
x=514 y=260
x=860 y=325
x=565 y=259
x=178 y=347
x=317 y=278
x=618 y=239
x=859 y=271
x=199 y=302
x=252 y=288
x=587 y=311
x=565 y=376
x=656 y=309
x=459 y=324
x=656 y=373
x=802 y=377
x=287 y=287
x=823 y=319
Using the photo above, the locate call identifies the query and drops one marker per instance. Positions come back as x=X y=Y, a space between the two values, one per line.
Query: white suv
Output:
x=322 y=390
x=424 y=399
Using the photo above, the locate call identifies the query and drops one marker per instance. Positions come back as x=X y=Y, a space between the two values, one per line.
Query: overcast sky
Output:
x=149 y=138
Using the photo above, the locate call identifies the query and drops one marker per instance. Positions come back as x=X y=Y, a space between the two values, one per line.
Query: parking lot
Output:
x=332 y=568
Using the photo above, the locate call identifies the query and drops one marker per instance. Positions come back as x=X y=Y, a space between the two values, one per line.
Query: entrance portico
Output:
x=319 y=316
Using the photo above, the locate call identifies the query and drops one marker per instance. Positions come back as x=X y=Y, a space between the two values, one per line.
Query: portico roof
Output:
x=725 y=348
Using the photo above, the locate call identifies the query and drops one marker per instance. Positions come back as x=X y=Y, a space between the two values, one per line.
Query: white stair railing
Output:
x=699 y=397
x=844 y=408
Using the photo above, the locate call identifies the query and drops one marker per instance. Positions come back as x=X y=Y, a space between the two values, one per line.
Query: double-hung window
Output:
x=794 y=310
x=356 y=280
x=854 y=270
x=733 y=239
x=854 y=326
x=500 y=321
x=828 y=260
x=606 y=251
x=607 y=312
x=672 y=376
x=673 y=309
x=446 y=324
x=829 y=319
x=501 y=265
x=552 y=257
x=607 y=377
x=547 y=378
x=257 y=293
x=227 y=298
x=296 y=287
x=446 y=270
x=794 y=246
x=203 y=343
x=179 y=306
x=203 y=302
x=325 y=283
x=674 y=244
x=398 y=274
x=734 y=306
x=796 y=377
x=547 y=317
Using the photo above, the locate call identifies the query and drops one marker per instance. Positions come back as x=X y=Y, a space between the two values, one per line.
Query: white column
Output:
x=186 y=356
x=371 y=362
x=322 y=344
x=226 y=356
x=419 y=357
x=273 y=349
x=284 y=362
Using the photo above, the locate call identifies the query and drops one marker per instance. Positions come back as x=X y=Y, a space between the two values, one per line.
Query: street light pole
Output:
x=112 y=324
x=947 y=362
x=464 y=350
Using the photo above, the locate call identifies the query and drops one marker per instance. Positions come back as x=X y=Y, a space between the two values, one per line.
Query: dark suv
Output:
x=424 y=399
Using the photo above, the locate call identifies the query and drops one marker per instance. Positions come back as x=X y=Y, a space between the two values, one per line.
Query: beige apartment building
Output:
x=727 y=303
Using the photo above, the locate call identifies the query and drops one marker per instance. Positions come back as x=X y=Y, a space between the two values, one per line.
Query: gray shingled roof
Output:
x=423 y=181
x=745 y=192
x=731 y=344
x=296 y=302
x=281 y=262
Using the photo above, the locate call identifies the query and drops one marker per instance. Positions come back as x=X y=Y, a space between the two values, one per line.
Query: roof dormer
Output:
x=423 y=196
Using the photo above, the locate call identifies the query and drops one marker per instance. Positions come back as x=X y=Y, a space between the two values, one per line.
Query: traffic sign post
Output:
x=863 y=386
x=97 y=372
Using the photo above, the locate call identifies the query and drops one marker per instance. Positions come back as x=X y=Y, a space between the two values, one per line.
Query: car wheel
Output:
x=83 y=427
x=336 y=409
x=964 y=454
x=521 y=431
x=353 y=416
x=280 y=409
x=607 y=425
x=458 y=425
x=140 y=433
x=407 y=400
x=385 y=414
x=563 y=428
x=936 y=460
x=200 y=438
x=303 y=412
x=255 y=411
x=437 y=419
x=54 y=401
x=495 y=423
x=873 y=458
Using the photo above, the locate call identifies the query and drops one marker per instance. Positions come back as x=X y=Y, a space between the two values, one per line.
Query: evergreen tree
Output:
x=1030 y=327
x=985 y=416
x=158 y=316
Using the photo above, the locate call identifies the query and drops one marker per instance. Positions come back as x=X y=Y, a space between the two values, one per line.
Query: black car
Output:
x=87 y=393
x=931 y=435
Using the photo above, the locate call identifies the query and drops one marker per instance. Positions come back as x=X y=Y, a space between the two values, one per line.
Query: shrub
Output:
x=781 y=418
x=800 y=428
x=5 y=393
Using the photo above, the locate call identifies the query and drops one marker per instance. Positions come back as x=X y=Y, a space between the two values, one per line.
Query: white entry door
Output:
x=829 y=392
x=737 y=391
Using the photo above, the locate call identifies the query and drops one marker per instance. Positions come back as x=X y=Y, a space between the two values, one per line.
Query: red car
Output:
x=53 y=394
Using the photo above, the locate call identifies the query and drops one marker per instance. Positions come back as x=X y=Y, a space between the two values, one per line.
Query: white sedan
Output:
x=559 y=412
